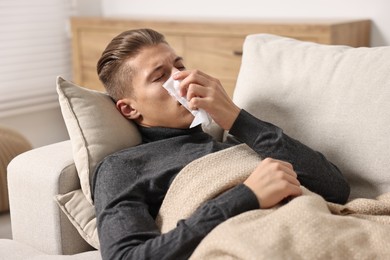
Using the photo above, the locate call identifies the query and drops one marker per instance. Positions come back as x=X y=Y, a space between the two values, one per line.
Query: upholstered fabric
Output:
x=12 y=143
x=95 y=126
x=34 y=178
x=335 y=99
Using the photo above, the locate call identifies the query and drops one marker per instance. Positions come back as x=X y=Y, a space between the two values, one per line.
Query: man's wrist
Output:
x=232 y=118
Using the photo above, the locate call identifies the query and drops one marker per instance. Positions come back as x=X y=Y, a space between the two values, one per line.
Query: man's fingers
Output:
x=292 y=179
x=196 y=90
x=280 y=165
x=191 y=77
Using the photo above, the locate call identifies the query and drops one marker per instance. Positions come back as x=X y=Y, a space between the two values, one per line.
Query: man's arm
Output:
x=314 y=171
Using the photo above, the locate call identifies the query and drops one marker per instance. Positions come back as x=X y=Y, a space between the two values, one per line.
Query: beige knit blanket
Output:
x=305 y=228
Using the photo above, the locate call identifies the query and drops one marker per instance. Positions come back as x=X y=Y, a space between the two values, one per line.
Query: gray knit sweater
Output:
x=129 y=187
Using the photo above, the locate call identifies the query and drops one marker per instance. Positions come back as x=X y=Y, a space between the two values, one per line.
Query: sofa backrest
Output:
x=336 y=99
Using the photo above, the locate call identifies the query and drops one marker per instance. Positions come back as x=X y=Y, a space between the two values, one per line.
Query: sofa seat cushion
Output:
x=11 y=249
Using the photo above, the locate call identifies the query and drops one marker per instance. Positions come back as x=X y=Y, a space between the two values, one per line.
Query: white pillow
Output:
x=336 y=99
x=96 y=128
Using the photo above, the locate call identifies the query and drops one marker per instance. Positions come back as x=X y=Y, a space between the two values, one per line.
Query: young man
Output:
x=130 y=185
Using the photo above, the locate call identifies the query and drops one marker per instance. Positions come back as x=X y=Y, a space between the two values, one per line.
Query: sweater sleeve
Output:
x=314 y=171
x=127 y=230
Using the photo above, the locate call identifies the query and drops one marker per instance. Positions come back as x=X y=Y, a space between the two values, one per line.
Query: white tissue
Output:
x=200 y=116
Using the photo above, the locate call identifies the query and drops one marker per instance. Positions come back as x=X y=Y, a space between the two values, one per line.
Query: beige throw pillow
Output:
x=95 y=126
x=96 y=129
x=81 y=214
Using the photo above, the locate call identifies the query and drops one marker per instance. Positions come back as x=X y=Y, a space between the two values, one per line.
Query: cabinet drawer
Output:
x=219 y=57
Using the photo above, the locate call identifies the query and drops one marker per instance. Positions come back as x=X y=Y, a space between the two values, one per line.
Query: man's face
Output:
x=150 y=104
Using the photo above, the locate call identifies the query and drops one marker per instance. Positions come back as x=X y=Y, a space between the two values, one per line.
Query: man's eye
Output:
x=181 y=68
x=159 y=78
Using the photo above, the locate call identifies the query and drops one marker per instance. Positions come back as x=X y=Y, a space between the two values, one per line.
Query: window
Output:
x=34 y=49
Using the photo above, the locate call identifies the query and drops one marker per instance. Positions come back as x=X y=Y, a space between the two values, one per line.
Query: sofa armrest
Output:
x=34 y=178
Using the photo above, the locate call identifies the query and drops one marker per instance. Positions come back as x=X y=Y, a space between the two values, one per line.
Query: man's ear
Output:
x=127 y=110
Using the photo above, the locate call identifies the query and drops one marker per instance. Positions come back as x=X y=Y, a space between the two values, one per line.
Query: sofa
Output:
x=336 y=99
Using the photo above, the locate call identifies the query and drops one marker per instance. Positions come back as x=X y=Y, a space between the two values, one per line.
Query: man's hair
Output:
x=113 y=71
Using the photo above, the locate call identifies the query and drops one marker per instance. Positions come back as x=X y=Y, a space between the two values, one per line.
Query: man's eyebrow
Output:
x=179 y=58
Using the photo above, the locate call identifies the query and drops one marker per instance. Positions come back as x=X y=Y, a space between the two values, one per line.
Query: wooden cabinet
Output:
x=213 y=47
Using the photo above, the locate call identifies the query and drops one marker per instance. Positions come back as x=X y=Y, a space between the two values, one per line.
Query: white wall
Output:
x=376 y=10
x=88 y=7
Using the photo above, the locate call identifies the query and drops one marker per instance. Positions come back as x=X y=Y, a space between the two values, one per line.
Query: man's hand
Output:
x=272 y=181
x=206 y=92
